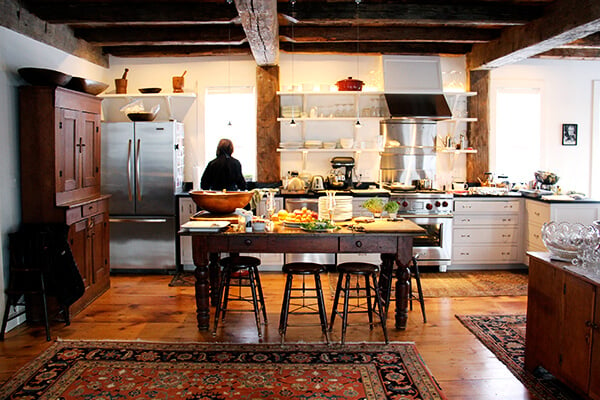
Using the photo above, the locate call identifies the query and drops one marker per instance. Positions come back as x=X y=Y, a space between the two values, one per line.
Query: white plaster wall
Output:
x=18 y=51
x=567 y=98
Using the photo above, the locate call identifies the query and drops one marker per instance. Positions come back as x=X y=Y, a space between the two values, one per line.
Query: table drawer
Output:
x=363 y=245
x=315 y=244
x=248 y=244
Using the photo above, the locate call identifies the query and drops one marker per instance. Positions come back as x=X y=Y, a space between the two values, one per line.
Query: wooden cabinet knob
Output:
x=248 y=242
x=358 y=243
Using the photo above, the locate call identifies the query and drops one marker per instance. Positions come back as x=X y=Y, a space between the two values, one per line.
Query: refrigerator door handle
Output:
x=138 y=186
x=129 y=166
x=140 y=220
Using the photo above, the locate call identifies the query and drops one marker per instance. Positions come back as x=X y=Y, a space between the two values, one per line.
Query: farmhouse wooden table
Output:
x=395 y=247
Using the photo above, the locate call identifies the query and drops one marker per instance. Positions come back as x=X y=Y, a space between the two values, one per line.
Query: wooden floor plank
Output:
x=146 y=308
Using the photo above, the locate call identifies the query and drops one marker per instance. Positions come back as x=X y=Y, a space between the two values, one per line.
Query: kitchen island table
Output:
x=393 y=242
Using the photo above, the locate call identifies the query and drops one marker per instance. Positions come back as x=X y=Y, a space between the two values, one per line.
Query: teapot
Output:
x=317 y=183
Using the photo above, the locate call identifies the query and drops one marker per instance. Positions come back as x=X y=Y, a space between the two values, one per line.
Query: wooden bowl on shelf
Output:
x=88 y=86
x=150 y=90
x=44 y=77
x=220 y=202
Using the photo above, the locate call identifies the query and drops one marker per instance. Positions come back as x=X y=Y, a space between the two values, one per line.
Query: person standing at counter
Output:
x=224 y=172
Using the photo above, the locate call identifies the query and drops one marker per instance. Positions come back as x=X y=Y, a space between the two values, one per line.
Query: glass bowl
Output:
x=563 y=239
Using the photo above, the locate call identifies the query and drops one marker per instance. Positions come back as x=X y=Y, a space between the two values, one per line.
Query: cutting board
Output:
x=391 y=226
x=206 y=216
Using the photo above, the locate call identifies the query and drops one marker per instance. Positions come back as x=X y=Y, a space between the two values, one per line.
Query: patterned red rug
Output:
x=504 y=335
x=71 y=370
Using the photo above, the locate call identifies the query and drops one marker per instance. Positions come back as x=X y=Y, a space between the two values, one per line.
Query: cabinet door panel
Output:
x=595 y=361
x=89 y=149
x=576 y=343
x=544 y=297
x=99 y=247
x=68 y=164
x=78 y=242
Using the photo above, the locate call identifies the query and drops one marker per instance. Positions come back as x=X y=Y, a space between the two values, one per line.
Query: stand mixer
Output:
x=340 y=177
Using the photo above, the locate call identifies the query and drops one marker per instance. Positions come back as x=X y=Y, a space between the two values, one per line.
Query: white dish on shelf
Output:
x=290 y=145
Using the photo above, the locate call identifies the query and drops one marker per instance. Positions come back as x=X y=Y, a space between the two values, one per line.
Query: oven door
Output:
x=434 y=247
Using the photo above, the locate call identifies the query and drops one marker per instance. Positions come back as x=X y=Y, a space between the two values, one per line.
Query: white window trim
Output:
x=594 y=174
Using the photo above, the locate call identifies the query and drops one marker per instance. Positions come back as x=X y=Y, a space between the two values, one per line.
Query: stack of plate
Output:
x=313 y=144
x=290 y=111
x=290 y=145
x=342 y=211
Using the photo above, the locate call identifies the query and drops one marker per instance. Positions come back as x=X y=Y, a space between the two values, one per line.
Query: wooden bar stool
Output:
x=303 y=307
x=368 y=297
x=240 y=272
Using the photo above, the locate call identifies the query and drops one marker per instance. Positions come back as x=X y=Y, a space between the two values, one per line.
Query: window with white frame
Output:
x=516 y=149
x=230 y=113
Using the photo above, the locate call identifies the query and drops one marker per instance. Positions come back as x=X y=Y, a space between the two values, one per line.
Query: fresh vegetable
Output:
x=391 y=207
x=374 y=205
x=318 y=225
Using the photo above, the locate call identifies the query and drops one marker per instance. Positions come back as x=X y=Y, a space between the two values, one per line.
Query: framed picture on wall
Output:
x=569 y=134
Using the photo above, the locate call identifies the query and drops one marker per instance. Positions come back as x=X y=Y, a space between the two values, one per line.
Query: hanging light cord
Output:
x=293 y=3
x=357 y=124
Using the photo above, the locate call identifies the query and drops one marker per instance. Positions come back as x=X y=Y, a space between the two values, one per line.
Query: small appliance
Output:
x=340 y=176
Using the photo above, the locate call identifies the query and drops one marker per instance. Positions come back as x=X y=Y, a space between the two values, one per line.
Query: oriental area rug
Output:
x=504 y=335
x=71 y=370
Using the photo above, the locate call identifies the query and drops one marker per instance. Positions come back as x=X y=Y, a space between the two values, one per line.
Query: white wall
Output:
x=567 y=98
x=18 y=51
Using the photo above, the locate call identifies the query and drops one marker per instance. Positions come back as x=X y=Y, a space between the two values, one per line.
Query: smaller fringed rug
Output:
x=71 y=370
x=475 y=283
x=185 y=278
x=504 y=335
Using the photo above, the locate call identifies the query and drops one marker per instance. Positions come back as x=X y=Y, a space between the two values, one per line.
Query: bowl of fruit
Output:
x=294 y=219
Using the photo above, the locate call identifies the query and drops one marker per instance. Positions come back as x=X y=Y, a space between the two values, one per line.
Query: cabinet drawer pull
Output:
x=248 y=242
x=464 y=235
x=464 y=253
x=537 y=214
x=358 y=243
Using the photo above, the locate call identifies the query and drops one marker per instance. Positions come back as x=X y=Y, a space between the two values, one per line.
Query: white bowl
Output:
x=346 y=143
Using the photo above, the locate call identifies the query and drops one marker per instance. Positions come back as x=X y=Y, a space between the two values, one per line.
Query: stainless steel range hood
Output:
x=418 y=106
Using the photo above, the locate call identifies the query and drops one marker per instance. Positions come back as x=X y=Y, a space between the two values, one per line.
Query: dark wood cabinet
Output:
x=563 y=324
x=60 y=142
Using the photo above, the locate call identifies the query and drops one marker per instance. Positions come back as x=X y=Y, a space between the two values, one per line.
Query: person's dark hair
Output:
x=225 y=147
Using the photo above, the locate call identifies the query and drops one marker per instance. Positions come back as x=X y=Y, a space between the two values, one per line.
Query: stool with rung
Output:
x=304 y=302
x=366 y=297
x=239 y=272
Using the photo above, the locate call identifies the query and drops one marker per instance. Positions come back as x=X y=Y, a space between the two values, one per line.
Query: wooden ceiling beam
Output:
x=259 y=19
x=308 y=34
x=176 y=51
x=80 y=13
x=379 y=48
x=468 y=13
x=563 y=22
x=573 y=54
x=163 y=35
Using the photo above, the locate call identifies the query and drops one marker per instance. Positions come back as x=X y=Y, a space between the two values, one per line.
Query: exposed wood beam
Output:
x=469 y=13
x=15 y=17
x=80 y=13
x=563 y=22
x=163 y=35
x=176 y=51
x=590 y=42
x=259 y=19
x=573 y=54
x=306 y=34
x=379 y=48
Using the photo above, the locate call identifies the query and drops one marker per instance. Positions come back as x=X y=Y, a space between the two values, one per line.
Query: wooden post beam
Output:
x=563 y=22
x=267 y=127
x=479 y=134
x=259 y=19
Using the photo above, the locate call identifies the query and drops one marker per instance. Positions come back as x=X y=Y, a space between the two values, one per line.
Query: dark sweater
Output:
x=224 y=172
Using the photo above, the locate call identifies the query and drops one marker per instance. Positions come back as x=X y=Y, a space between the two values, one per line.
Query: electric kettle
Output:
x=317 y=183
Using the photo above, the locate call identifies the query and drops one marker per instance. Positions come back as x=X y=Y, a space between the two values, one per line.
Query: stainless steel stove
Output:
x=433 y=211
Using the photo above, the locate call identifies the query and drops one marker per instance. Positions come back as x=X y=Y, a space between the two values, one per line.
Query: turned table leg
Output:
x=202 y=286
x=403 y=257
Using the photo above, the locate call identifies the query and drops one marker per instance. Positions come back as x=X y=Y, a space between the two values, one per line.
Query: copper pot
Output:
x=350 y=84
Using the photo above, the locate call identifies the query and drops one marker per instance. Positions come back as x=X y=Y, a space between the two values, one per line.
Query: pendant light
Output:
x=357 y=124
x=293 y=122
x=229 y=124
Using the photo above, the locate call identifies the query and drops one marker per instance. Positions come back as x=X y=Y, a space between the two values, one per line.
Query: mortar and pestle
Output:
x=121 y=84
x=178 y=83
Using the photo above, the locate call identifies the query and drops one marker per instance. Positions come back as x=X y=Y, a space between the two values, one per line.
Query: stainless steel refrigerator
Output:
x=142 y=168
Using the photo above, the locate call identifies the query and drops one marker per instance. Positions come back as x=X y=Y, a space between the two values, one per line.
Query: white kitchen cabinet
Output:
x=486 y=231
x=539 y=212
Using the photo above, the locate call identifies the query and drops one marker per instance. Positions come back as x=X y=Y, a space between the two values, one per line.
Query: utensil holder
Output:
x=121 y=85
x=178 y=84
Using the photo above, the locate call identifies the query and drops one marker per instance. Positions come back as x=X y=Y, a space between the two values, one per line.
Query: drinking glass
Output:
x=330 y=204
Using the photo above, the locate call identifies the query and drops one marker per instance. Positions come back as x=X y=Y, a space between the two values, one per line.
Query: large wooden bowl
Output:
x=220 y=202
x=87 y=85
x=44 y=77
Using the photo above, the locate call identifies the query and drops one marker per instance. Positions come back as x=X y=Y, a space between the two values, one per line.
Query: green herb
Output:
x=319 y=224
x=391 y=206
x=374 y=204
